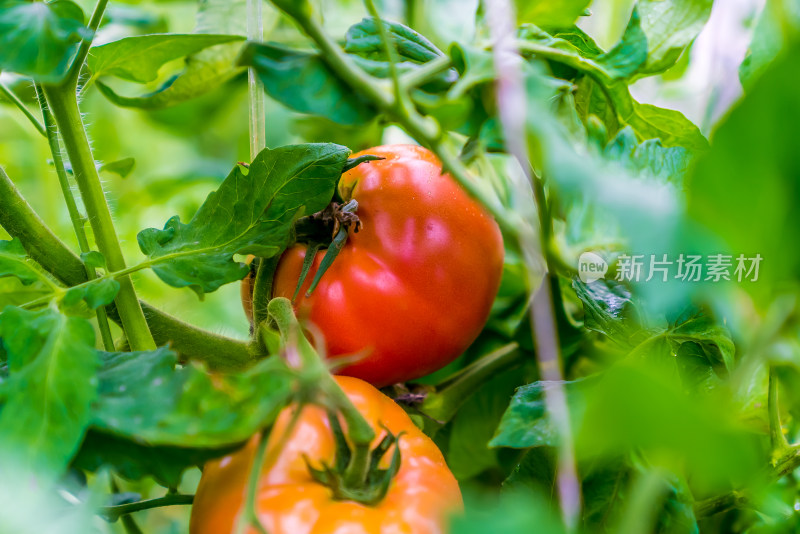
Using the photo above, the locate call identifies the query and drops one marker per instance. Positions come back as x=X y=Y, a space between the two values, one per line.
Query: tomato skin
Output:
x=413 y=288
x=420 y=498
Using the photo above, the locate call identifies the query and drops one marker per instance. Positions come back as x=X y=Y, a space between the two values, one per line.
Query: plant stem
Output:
x=425 y=72
x=250 y=517
x=359 y=430
x=511 y=103
x=20 y=221
x=255 y=32
x=777 y=437
x=787 y=463
x=262 y=288
x=114 y=512
x=442 y=405
x=423 y=129
x=75 y=216
x=71 y=81
x=22 y=107
x=64 y=106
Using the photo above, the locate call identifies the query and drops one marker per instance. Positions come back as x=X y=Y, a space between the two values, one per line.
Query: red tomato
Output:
x=413 y=288
x=288 y=501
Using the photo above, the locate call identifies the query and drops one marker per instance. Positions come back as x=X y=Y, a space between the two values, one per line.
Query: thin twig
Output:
x=511 y=102
x=175 y=499
x=22 y=107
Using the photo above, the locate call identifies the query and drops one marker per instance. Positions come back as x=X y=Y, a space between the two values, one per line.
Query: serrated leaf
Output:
x=51 y=386
x=144 y=396
x=670 y=27
x=649 y=157
x=250 y=213
x=40 y=39
x=14 y=262
x=139 y=58
x=302 y=81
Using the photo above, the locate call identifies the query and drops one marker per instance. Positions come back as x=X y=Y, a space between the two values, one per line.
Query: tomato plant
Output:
x=557 y=234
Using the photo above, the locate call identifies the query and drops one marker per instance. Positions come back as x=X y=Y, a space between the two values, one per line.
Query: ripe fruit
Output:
x=290 y=501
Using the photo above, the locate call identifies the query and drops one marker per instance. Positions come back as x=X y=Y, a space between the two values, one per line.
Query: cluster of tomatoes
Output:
x=408 y=293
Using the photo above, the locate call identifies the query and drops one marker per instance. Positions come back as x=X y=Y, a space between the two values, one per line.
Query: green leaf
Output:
x=629 y=54
x=510 y=512
x=143 y=396
x=251 y=213
x=51 y=386
x=40 y=39
x=649 y=157
x=14 y=262
x=94 y=259
x=139 y=58
x=364 y=39
x=99 y=293
x=205 y=70
x=670 y=27
x=134 y=460
x=550 y=13
x=302 y=81
x=121 y=167
x=15 y=293
x=745 y=190
x=608 y=309
x=468 y=452
x=526 y=422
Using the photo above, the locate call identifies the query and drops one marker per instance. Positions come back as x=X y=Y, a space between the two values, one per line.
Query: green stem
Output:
x=75 y=216
x=112 y=513
x=442 y=405
x=425 y=72
x=71 y=81
x=358 y=429
x=424 y=129
x=22 y=107
x=20 y=221
x=262 y=288
x=250 y=517
x=64 y=106
x=786 y=464
x=777 y=437
x=400 y=96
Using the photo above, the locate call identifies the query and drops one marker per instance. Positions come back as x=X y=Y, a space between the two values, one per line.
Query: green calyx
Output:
x=355 y=475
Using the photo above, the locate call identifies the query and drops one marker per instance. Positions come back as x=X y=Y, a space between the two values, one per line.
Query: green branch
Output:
x=22 y=107
x=75 y=216
x=21 y=221
x=64 y=105
x=424 y=129
x=112 y=513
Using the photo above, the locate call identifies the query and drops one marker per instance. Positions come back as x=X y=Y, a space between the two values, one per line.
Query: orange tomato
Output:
x=289 y=501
